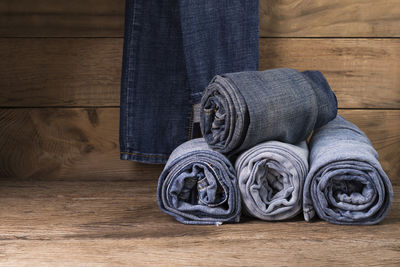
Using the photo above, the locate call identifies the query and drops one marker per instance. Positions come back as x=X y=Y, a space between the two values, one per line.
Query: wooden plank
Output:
x=330 y=18
x=86 y=72
x=82 y=143
x=364 y=73
x=292 y=18
x=53 y=18
x=75 y=143
x=56 y=222
x=54 y=71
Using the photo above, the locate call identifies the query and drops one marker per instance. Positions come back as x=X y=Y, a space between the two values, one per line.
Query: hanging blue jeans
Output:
x=172 y=49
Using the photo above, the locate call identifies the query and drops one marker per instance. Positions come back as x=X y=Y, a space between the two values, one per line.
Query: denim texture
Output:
x=271 y=177
x=240 y=110
x=199 y=186
x=346 y=184
x=172 y=49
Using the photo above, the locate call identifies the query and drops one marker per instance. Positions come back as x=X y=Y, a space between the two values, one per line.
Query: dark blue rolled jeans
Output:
x=172 y=49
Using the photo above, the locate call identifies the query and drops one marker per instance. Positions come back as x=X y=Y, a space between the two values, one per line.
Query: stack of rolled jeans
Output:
x=254 y=159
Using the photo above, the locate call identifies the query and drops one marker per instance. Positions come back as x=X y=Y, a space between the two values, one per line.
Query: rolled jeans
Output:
x=271 y=177
x=199 y=186
x=346 y=183
x=240 y=110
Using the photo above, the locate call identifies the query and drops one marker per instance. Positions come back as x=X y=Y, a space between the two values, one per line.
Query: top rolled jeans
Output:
x=172 y=49
x=240 y=110
x=346 y=183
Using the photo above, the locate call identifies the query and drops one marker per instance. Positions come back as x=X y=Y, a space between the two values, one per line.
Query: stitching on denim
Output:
x=144 y=155
x=190 y=124
x=129 y=59
x=220 y=182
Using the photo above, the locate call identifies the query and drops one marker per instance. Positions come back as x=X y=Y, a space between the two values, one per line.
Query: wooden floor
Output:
x=95 y=222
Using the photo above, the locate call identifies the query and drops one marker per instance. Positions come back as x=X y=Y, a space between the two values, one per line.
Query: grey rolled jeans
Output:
x=271 y=177
x=240 y=110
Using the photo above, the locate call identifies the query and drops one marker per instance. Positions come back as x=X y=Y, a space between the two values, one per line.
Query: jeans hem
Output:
x=144 y=157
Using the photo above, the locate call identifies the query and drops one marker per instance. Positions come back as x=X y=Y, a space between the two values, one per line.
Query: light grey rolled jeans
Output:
x=271 y=177
x=346 y=183
x=199 y=186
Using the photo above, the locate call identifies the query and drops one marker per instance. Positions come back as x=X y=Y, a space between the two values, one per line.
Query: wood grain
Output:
x=290 y=18
x=86 y=72
x=82 y=143
x=91 y=223
x=330 y=18
x=53 y=18
x=75 y=143
x=363 y=73
x=60 y=71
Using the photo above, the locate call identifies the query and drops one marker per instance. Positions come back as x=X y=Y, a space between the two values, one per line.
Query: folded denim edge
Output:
x=144 y=157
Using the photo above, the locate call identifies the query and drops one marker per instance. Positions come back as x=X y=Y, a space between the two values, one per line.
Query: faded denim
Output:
x=240 y=110
x=271 y=177
x=346 y=184
x=172 y=49
x=199 y=186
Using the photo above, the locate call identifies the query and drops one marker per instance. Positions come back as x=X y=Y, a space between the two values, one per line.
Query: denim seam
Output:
x=190 y=124
x=145 y=155
x=220 y=182
x=129 y=59
x=191 y=95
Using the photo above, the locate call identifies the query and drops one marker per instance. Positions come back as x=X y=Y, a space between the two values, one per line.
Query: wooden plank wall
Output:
x=61 y=64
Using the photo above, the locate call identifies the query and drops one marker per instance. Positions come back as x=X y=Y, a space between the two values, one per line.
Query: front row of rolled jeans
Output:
x=339 y=179
x=199 y=186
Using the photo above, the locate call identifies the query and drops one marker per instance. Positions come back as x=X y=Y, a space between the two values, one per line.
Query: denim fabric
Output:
x=240 y=110
x=346 y=183
x=172 y=49
x=271 y=177
x=199 y=186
